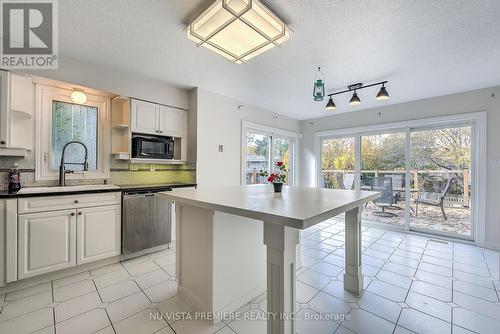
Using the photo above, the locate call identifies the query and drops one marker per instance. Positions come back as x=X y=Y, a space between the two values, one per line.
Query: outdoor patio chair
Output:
x=397 y=180
x=435 y=198
x=383 y=185
x=346 y=182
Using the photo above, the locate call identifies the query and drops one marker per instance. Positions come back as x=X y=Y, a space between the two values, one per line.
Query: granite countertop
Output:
x=129 y=187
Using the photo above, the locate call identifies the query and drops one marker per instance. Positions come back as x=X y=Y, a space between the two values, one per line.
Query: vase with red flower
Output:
x=278 y=177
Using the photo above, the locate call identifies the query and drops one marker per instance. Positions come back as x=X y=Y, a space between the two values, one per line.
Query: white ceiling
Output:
x=424 y=48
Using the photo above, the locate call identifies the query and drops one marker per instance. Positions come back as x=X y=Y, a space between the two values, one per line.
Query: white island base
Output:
x=233 y=243
x=221 y=259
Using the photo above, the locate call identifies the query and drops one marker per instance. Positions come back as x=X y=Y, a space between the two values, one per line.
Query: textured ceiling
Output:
x=424 y=48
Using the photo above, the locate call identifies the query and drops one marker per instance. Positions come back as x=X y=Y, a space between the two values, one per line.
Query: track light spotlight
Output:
x=355 y=100
x=330 y=105
x=382 y=94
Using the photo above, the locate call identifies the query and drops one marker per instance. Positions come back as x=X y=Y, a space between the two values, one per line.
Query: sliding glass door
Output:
x=338 y=161
x=425 y=175
x=441 y=180
x=383 y=165
x=262 y=148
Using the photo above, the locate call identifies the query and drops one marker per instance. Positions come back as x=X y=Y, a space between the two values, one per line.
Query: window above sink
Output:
x=59 y=121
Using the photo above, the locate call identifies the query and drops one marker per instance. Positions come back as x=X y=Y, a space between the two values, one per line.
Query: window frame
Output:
x=45 y=95
x=247 y=126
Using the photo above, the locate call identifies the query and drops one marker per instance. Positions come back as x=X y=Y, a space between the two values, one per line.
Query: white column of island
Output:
x=222 y=262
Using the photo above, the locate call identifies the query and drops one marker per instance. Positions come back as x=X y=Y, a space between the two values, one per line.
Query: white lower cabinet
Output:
x=98 y=233
x=65 y=233
x=46 y=242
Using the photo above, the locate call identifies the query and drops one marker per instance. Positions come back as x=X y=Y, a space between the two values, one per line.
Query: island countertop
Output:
x=298 y=207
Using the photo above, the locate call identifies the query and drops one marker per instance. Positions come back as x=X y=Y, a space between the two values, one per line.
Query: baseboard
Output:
x=192 y=300
x=27 y=282
x=244 y=299
x=144 y=252
x=492 y=245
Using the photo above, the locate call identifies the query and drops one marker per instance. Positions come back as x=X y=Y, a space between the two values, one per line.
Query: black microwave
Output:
x=152 y=147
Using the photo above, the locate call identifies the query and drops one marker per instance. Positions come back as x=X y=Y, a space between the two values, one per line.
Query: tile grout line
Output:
x=54 y=319
x=53 y=308
x=111 y=322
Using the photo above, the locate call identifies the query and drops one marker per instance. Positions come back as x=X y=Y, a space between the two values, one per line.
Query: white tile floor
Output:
x=413 y=285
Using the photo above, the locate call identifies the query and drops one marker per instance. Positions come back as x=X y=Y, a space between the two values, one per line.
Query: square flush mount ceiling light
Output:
x=238 y=29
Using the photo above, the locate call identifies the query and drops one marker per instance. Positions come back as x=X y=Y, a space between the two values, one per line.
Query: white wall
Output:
x=219 y=123
x=479 y=100
x=120 y=83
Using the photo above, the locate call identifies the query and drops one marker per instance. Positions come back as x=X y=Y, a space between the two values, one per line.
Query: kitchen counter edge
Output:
x=124 y=188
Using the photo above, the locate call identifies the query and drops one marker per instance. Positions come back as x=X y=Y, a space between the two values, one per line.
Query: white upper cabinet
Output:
x=16 y=113
x=155 y=119
x=21 y=94
x=4 y=108
x=145 y=117
x=173 y=122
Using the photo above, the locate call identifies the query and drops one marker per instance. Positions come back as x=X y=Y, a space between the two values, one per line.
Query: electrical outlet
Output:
x=495 y=162
x=221 y=148
x=153 y=168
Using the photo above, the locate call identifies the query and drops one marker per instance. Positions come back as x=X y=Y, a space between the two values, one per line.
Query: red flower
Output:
x=271 y=177
x=279 y=163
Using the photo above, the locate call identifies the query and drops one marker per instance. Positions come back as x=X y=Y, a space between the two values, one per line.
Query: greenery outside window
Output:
x=60 y=121
x=262 y=147
x=74 y=122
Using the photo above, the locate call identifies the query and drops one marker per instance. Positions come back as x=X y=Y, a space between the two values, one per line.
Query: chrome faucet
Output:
x=63 y=171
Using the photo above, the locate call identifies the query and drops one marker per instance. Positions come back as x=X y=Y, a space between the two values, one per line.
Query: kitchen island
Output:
x=221 y=261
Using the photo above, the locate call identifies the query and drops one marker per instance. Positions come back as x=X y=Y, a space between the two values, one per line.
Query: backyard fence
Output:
x=452 y=200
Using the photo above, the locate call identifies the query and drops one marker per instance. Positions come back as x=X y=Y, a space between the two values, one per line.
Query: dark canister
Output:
x=14 y=181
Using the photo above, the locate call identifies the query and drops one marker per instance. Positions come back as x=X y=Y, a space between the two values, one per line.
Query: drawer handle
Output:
x=72 y=213
x=76 y=201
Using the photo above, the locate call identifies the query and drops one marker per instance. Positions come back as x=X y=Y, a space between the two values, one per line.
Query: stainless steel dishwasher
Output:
x=147 y=222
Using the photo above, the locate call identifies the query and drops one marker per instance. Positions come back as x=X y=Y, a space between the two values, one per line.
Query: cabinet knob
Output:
x=76 y=201
x=79 y=213
x=72 y=213
x=3 y=142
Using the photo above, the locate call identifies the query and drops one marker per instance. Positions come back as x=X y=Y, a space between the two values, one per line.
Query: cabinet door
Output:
x=8 y=238
x=21 y=93
x=172 y=121
x=46 y=242
x=98 y=233
x=4 y=108
x=3 y=264
x=145 y=117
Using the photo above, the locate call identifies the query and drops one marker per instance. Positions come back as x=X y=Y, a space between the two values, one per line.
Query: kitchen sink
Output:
x=38 y=190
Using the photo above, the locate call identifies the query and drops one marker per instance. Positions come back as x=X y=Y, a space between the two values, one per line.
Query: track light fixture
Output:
x=330 y=106
x=355 y=100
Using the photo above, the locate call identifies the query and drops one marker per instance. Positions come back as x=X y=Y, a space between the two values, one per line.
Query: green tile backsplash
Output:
x=122 y=172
